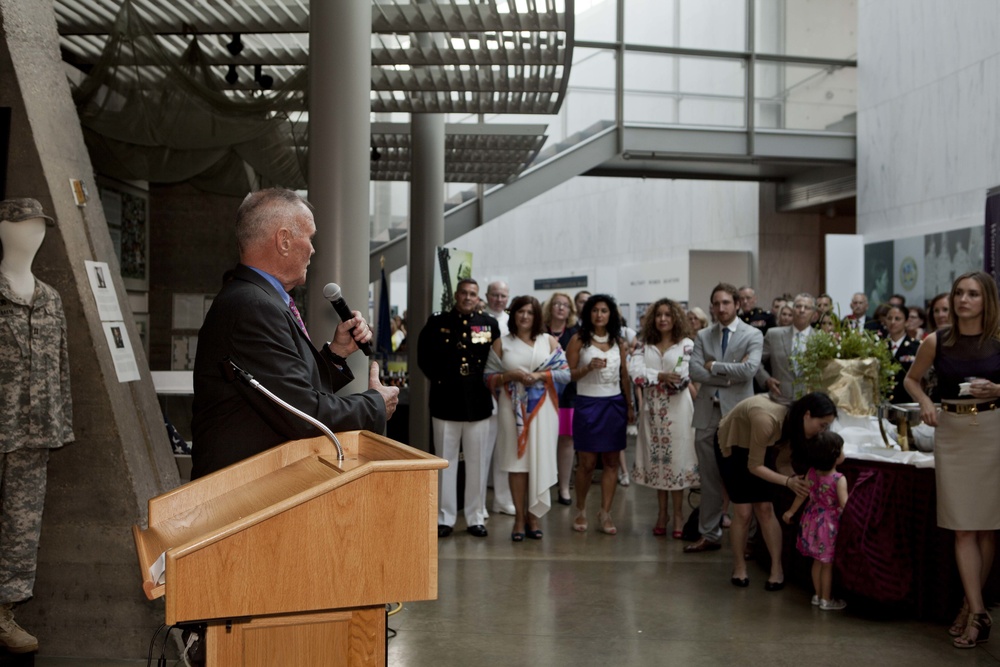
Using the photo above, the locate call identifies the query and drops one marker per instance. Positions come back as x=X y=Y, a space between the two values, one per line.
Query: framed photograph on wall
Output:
x=126 y=209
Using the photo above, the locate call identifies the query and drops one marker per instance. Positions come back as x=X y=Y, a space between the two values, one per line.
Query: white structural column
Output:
x=426 y=234
x=339 y=135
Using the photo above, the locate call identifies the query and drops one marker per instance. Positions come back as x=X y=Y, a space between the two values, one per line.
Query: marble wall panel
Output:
x=592 y=226
x=928 y=115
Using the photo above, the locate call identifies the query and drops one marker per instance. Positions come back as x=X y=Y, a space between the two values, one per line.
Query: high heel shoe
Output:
x=580 y=521
x=607 y=526
x=958 y=627
x=981 y=623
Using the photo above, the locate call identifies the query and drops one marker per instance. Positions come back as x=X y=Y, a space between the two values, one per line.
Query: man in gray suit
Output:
x=781 y=343
x=726 y=356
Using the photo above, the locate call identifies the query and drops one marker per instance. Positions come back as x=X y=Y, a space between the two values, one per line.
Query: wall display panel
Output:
x=920 y=267
x=707 y=268
x=126 y=209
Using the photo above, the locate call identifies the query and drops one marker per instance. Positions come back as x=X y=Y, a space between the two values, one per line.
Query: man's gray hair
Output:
x=261 y=212
x=805 y=295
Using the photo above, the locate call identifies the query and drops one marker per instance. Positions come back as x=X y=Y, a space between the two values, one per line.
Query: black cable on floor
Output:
x=149 y=654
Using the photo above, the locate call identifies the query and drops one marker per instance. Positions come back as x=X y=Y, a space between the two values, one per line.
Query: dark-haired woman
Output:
x=524 y=367
x=940 y=312
x=665 y=458
x=746 y=436
x=598 y=361
x=966 y=360
x=916 y=319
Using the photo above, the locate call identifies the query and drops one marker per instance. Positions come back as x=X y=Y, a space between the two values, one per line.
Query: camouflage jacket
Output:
x=36 y=408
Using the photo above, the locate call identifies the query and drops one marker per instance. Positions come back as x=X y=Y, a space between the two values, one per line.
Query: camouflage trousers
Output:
x=22 y=497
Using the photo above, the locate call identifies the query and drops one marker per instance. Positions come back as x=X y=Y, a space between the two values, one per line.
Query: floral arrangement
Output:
x=845 y=343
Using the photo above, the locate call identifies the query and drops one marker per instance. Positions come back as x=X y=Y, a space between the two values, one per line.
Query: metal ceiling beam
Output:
x=386 y=19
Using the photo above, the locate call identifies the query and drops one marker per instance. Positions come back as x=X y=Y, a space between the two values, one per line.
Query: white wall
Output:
x=928 y=115
x=596 y=226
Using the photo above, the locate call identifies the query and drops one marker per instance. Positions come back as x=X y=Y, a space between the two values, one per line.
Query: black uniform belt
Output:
x=970 y=408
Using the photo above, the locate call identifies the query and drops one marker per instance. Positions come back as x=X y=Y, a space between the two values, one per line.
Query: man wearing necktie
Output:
x=725 y=358
x=783 y=343
x=255 y=322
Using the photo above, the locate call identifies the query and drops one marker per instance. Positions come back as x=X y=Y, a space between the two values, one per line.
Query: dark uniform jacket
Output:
x=759 y=319
x=250 y=322
x=451 y=352
x=905 y=355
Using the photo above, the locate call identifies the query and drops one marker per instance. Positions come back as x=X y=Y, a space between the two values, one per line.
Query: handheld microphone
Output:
x=332 y=294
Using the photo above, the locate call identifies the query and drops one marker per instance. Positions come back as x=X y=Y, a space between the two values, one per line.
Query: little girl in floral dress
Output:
x=821 y=519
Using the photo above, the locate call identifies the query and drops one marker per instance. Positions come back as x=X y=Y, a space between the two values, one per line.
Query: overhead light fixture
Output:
x=265 y=81
x=231 y=76
x=235 y=46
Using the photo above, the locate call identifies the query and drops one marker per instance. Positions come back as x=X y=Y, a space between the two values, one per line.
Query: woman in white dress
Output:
x=665 y=458
x=524 y=368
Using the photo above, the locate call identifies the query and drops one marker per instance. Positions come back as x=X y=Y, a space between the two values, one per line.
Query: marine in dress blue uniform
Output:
x=452 y=351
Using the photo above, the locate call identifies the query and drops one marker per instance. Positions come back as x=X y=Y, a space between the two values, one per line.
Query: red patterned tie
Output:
x=298 y=317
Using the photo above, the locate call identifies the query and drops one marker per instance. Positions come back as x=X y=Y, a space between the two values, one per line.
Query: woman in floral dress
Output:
x=665 y=458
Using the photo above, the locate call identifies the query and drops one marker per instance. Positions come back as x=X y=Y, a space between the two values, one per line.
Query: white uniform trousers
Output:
x=473 y=438
x=502 y=500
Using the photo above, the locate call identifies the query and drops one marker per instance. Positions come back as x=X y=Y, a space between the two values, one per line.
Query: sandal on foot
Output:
x=659 y=532
x=517 y=537
x=958 y=627
x=607 y=526
x=580 y=521
x=981 y=623
x=535 y=534
x=677 y=535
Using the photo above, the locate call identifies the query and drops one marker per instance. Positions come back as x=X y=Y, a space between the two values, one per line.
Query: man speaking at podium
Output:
x=255 y=322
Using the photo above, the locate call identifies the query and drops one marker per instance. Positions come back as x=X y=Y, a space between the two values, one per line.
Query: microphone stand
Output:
x=249 y=379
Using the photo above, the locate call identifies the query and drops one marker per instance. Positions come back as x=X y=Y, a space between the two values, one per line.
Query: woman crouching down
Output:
x=746 y=458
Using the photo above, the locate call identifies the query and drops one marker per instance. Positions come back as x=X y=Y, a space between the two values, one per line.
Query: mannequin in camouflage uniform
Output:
x=35 y=408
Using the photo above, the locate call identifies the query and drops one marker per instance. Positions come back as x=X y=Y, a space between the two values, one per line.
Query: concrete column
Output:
x=426 y=234
x=87 y=596
x=339 y=138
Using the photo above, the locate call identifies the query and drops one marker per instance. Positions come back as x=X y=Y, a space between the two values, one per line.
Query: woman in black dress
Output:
x=966 y=360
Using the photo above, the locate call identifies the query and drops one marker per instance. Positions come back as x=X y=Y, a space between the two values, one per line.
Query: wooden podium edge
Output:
x=280 y=454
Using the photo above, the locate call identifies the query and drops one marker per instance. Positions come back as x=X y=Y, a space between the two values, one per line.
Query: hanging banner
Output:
x=453 y=265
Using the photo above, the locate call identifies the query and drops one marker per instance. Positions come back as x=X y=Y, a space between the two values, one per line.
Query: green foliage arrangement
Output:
x=845 y=343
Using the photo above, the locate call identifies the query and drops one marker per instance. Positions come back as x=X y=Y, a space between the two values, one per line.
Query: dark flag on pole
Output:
x=384 y=339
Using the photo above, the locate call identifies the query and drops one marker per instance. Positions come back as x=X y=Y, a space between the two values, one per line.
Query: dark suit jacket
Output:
x=250 y=323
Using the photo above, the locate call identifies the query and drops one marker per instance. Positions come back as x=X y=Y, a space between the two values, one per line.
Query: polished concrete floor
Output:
x=630 y=599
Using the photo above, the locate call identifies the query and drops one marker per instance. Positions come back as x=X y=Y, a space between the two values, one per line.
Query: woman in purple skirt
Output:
x=598 y=361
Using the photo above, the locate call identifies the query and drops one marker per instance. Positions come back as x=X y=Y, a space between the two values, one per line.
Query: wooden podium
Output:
x=290 y=556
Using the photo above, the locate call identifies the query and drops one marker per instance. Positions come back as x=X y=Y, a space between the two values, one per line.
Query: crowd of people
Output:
x=716 y=404
x=719 y=405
